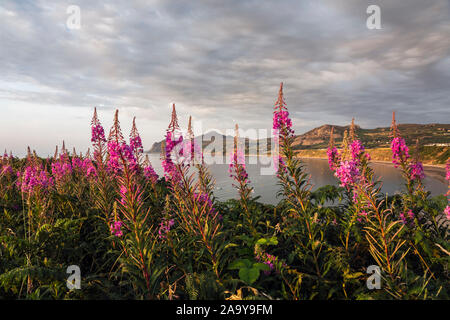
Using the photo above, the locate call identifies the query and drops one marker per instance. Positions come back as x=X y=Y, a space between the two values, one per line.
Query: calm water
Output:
x=266 y=185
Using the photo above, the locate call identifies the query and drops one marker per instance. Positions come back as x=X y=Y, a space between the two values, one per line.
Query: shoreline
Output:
x=435 y=171
x=429 y=167
x=437 y=167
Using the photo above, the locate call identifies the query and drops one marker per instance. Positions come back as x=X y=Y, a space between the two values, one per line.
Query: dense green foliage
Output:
x=75 y=232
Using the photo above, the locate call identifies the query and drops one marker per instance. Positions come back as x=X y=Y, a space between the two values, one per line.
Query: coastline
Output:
x=434 y=170
x=437 y=170
x=438 y=167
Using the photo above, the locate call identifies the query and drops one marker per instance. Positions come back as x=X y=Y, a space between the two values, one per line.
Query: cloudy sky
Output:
x=219 y=61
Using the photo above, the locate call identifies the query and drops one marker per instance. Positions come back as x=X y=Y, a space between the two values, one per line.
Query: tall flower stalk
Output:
x=413 y=173
x=290 y=171
x=412 y=169
x=136 y=235
x=301 y=223
x=136 y=143
x=98 y=139
x=239 y=174
x=194 y=207
x=35 y=185
x=103 y=184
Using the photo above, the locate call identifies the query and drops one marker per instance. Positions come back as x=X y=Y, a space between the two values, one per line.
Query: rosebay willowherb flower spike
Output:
x=34 y=179
x=173 y=125
x=136 y=142
x=119 y=153
x=189 y=146
x=149 y=172
x=170 y=169
x=281 y=120
x=331 y=142
x=171 y=149
x=115 y=134
x=190 y=132
x=394 y=128
x=280 y=104
x=241 y=183
x=29 y=154
x=63 y=149
x=351 y=165
x=282 y=126
x=173 y=128
x=352 y=131
x=345 y=146
x=55 y=156
x=98 y=133
x=334 y=156
x=62 y=170
x=416 y=167
x=237 y=164
x=98 y=139
x=400 y=151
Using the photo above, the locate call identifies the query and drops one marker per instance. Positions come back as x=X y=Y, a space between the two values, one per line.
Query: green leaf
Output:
x=239 y=264
x=249 y=275
x=418 y=237
x=231 y=245
x=353 y=275
x=267 y=241
x=262 y=241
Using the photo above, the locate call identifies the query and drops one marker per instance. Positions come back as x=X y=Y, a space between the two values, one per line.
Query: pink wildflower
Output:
x=362 y=214
x=281 y=121
x=33 y=178
x=61 y=170
x=116 y=228
x=270 y=260
x=333 y=158
x=150 y=174
x=358 y=151
x=348 y=173
x=6 y=170
x=136 y=142
x=417 y=172
x=164 y=228
x=400 y=151
x=405 y=216
x=170 y=170
x=237 y=166
x=118 y=153
x=98 y=133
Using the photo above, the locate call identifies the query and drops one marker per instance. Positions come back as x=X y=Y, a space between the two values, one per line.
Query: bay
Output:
x=266 y=186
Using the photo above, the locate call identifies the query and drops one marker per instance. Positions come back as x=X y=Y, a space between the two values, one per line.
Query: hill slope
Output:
x=317 y=138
